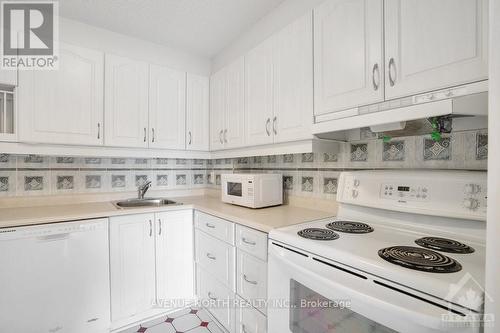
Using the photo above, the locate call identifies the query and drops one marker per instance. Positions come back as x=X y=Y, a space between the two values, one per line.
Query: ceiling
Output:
x=201 y=27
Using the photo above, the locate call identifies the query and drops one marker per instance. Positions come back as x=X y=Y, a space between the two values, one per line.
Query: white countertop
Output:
x=264 y=219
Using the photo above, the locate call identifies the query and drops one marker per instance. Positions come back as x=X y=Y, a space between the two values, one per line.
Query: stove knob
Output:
x=471 y=203
x=356 y=182
x=471 y=188
x=354 y=193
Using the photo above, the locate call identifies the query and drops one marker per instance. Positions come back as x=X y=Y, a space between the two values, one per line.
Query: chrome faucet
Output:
x=142 y=189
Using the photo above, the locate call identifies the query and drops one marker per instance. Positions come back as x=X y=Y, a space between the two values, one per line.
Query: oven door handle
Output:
x=366 y=296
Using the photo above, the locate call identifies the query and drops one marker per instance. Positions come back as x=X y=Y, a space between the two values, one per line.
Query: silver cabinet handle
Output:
x=392 y=65
x=246 y=241
x=268 y=122
x=98 y=131
x=375 y=74
x=220 y=137
x=145 y=134
x=249 y=281
x=153 y=135
x=211 y=257
x=274 y=125
x=213 y=298
x=211 y=226
x=159 y=227
x=190 y=138
x=225 y=135
x=150 y=228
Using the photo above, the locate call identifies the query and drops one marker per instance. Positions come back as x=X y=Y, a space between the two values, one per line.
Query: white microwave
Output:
x=252 y=190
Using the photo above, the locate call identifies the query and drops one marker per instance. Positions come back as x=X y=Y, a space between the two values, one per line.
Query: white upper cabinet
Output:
x=167 y=108
x=348 y=54
x=197 y=113
x=63 y=106
x=259 y=94
x=174 y=256
x=132 y=265
x=293 y=81
x=8 y=77
x=217 y=109
x=279 y=86
x=126 y=102
x=234 y=131
x=227 y=108
x=434 y=44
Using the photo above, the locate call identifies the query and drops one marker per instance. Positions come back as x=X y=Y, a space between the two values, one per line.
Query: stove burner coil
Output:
x=350 y=227
x=444 y=245
x=419 y=259
x=318 y=234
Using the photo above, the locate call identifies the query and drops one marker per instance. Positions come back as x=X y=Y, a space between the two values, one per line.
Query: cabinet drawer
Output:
x=252 y=241
x=216 y=257
x=214 y=226
x=249 y=319
x=251 y=279
x=216 y=298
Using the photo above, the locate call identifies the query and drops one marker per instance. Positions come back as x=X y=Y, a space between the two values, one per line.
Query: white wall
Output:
x=96 y=38
x=493 y=224
x=274 y=21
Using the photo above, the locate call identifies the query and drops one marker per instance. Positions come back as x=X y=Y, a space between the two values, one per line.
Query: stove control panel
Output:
x=404 y=192
x=460 y=194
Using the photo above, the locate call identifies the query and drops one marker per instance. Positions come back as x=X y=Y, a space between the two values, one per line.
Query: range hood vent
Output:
x=409 y=115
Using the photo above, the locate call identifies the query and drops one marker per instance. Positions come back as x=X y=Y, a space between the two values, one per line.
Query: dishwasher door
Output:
x=55 y=278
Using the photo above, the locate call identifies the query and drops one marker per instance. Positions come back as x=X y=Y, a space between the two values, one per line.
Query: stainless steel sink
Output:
x=146 y=202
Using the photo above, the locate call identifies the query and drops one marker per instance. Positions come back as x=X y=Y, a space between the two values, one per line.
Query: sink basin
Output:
x=146 y=202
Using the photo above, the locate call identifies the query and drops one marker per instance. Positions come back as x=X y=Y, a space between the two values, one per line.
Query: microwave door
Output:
x=308 y=296
x=234 y=189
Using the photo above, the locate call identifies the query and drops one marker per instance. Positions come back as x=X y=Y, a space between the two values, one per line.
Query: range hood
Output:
x=465 y=101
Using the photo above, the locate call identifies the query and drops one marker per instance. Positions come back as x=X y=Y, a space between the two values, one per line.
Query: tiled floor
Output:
x=192 y=320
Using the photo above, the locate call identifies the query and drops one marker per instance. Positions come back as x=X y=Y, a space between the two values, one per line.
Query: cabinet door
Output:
x=197 y=117
x=293 y=81
x=66 y=105
x=234 y=93
x=217 y=109
x=167 y=108
x=174 y=256
x=132 y=261
x=434 y=44
x=348 y=66
x=126 y=102
x=259 y=94
x=8 y=77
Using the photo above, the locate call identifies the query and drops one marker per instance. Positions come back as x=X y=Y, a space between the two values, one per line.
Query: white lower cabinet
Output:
x=132 y=261
x=232 y=287
x=251 y=279
x=174 y=258
x=248 y=319
x=217 y=298
x=216 y=257
x=151 y=263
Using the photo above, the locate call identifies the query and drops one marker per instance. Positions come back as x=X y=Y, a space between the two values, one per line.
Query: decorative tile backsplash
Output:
x=308 y=174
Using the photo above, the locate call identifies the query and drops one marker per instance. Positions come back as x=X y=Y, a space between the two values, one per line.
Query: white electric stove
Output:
x=405 y=253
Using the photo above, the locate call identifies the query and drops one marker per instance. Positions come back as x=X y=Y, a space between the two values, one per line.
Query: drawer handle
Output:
x=213 y=298
x=246 y=241
x=211 y=257
x=244 y=328
x=211 y=226
x=249 y=281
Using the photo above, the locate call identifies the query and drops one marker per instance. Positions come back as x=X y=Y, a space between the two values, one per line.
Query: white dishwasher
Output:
x=54 y=278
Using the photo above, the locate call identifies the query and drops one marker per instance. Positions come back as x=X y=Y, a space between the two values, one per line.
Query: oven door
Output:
x=309 y=294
